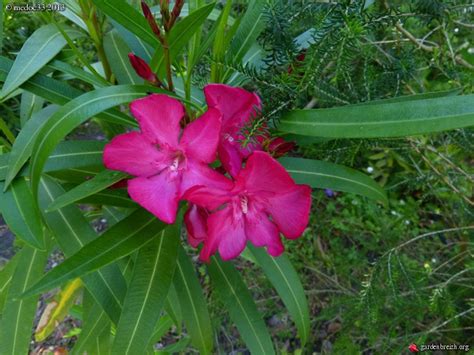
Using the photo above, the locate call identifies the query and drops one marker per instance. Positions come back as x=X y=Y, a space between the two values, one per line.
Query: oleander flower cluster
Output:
x=249 y=197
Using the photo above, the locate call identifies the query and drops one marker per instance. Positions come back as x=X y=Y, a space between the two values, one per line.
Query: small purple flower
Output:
x=329 y=192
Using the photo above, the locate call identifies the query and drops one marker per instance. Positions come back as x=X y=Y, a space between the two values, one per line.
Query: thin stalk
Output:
x=166 y=54
x=89 y=16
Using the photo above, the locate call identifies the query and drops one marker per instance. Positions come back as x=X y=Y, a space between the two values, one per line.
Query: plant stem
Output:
x=166 y=54
x=89 y=15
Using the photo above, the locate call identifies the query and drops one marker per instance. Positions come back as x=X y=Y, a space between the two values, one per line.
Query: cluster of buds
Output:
x=168 y=19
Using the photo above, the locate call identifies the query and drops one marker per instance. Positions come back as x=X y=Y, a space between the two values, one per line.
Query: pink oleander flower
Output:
x=165 y=161
x=263 y=202
x=238 y=107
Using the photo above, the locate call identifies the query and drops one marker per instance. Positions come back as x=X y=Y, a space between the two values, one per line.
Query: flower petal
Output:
x=262 y=173
x=207 y=197
x=290 y=210
x=200 y=137
x=230 y=157
x=195 y=219
x=159 y=116
x=158 y=194
x=133 y=154
x=226 y=233
x=263 y=233
x=201 y=174
x=236 y=104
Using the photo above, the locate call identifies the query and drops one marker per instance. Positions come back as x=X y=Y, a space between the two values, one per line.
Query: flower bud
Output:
x=278 y=147
x=142 y=68
x=151 y=19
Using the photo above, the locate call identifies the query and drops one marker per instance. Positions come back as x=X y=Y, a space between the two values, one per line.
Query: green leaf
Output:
x=109 y=197
x=284 y=278
x=21 y=213
x=73 y=114
x=60 y=93
x=122 y=239
x=67 y=155
x=173 y=308
x=180 y=35
x=249 y=29
x=117 y=51
x=396 y=119
x=127 y=16
x=30 y=104
x=98 y=183
x=238 y=301
x=23 y=146
x=193 y=304
x=94 y=323
x=152 y=276
x=38 y=50
x=72 y=231
x=78 y=73
x=17 y=319
x=325 y=175
x=423 y=96
x=164 y=324
x=140 y=48
x=6 y=131
x=6 y=275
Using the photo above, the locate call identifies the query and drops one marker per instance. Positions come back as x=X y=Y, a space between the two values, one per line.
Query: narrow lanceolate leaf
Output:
x=193 y=304
x=67 y=155
x=423 y=96
x=23 y=145
x=284 y=278
x=249 y=29
x=30 y=103
x=180 y=35
x=117 y=51
x=6 y=275
x=17 y=319
x=238 y=301
x=72 y=231
x=58 y=92
x=109 y=197
x=78 y=73
x=98 y=183
x=394 y=119
x=57 y=309
x=122 y=239
x=94 y=322
x=152 y=276
x=127 y=16
x=73 y=114
x=21 y=213
x=139 y=47
x=162 y=327
x=325 y=175
x=38 y=50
